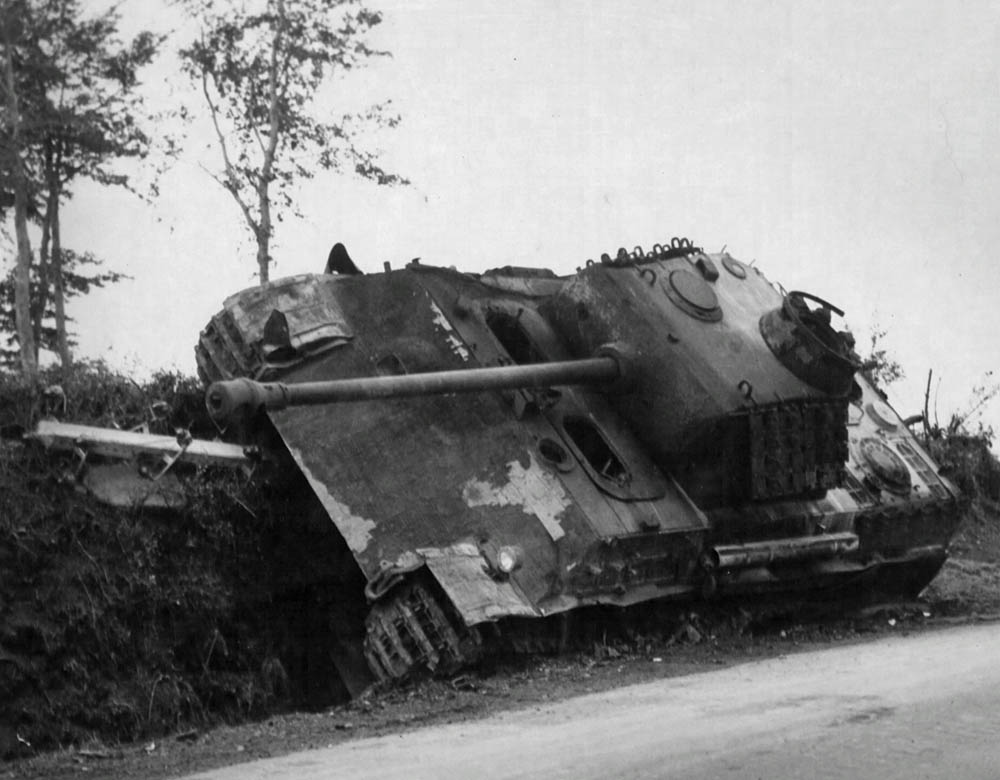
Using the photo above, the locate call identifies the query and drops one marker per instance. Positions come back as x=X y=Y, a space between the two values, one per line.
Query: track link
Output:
x=412 y=631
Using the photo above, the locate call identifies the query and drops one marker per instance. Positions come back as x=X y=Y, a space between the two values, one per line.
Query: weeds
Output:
x=122 y=624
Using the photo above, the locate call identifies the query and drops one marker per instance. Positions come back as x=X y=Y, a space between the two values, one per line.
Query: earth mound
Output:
x=122 y=623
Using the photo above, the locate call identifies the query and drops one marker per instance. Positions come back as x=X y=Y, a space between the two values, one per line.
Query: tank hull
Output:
x=714 y=470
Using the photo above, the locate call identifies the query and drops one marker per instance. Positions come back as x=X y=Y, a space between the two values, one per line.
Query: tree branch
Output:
x=247 y=213
x=273 y=118
x=232 y=183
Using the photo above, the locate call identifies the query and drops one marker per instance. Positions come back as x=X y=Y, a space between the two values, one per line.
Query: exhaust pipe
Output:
x=800 y=548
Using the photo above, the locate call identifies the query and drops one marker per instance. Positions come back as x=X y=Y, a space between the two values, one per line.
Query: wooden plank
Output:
x=113 y=443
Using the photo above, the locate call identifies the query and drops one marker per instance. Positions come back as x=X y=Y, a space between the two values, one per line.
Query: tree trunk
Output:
x=42 y=292
x=22 y=270
x=264 y=235
x=58 y=297
x=270 y=150
x=41 y=301
x=22 y=276
x=263 y=259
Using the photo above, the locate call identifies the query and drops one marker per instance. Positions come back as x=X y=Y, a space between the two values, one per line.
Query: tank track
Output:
x=412 y=632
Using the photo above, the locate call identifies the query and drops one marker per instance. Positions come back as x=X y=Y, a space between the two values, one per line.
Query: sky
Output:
x=849 y=149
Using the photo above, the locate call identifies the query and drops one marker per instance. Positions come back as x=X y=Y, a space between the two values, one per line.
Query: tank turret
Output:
x=506 y=447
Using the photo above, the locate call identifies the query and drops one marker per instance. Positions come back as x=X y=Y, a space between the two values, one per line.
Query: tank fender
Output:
x=478 y=596
x=467 y=578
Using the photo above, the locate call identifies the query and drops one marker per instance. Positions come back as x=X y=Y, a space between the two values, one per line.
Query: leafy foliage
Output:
x=80 y=78
x=260 y=66
x=74 y=112
x=95 y=395
x=878 y=366
x=968 y=461
x=964 y=446
x=76 y=282
x=981 y=397
x=126 y=623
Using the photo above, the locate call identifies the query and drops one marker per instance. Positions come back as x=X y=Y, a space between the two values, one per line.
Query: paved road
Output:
x=907 y=707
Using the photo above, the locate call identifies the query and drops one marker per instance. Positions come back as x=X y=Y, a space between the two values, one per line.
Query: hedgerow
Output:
x=118 y=624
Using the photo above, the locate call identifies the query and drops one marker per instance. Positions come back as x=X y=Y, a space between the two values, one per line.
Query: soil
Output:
x=966 y=590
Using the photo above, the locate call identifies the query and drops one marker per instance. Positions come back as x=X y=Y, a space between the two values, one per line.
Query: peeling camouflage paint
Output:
x=356 y=530
x=536 y=490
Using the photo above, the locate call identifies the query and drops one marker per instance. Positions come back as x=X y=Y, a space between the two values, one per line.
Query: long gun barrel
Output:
x=235 y=397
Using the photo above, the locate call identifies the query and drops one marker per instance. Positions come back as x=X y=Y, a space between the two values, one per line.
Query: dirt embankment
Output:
x=130 y=638
x=968 y=589
x=125 y=624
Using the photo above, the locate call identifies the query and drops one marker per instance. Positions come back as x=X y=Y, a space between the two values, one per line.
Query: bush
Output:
x=968 y=460
x=122 y=623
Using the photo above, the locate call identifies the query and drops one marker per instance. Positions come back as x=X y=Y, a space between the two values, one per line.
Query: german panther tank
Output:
x=499 y=448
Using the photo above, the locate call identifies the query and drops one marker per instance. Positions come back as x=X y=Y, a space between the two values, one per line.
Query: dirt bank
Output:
x=967 y=590
x=127 y=623
x=130 y=637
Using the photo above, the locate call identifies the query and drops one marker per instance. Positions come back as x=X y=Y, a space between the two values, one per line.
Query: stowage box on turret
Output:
x=494 y=449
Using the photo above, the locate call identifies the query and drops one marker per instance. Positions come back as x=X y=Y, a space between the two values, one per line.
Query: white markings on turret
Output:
x=536 y=490
x=450 y=336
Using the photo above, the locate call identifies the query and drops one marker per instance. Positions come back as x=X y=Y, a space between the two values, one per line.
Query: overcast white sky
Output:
x=850 y=148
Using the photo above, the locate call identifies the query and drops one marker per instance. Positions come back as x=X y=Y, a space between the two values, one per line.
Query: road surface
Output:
x=926 y=705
